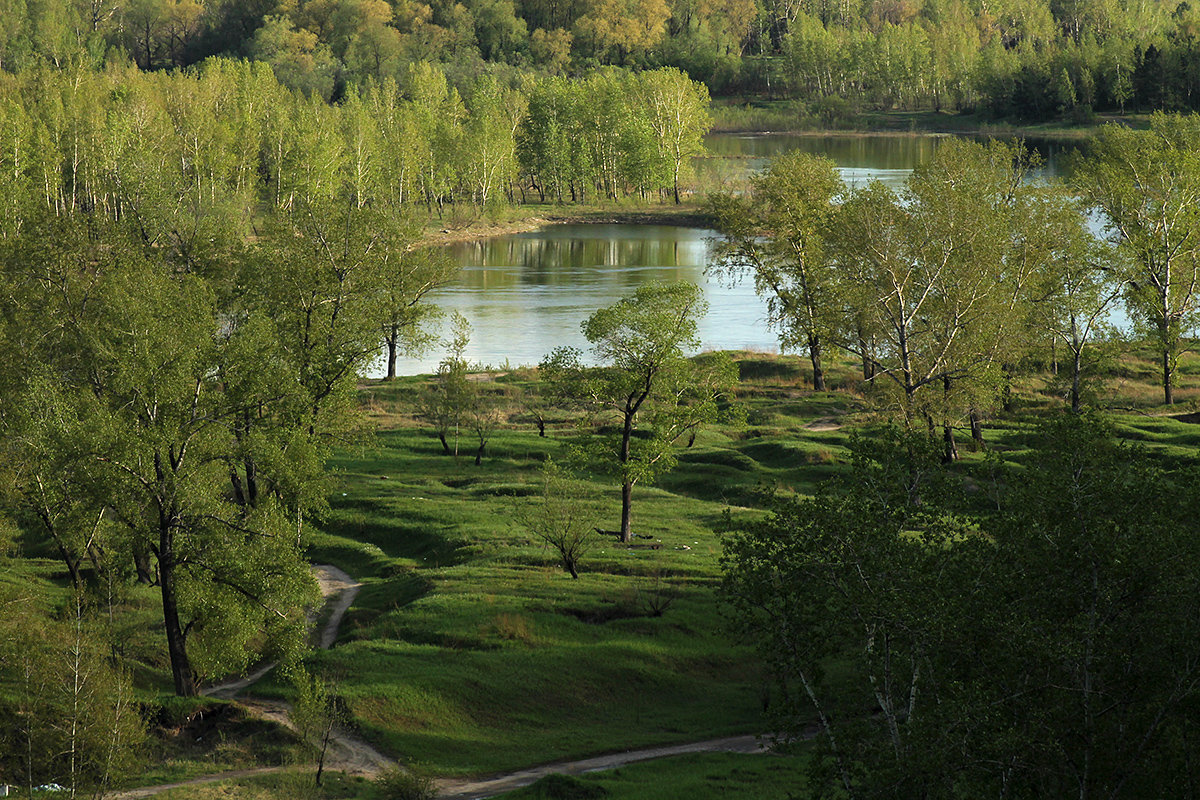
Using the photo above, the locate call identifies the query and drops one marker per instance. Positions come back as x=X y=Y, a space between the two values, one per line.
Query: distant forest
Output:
x=1035 y=59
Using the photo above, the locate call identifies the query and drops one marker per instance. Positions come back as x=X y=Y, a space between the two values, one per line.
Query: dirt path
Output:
x=232 y=775
x=365 y=761
x=334 y=581
x=350 y=754
x=477 y=788
x=347 y=753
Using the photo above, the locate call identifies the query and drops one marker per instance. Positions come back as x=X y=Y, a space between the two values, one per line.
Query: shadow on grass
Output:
x=411 y=533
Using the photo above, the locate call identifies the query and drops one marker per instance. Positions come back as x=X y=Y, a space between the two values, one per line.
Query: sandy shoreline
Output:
x=686 y=216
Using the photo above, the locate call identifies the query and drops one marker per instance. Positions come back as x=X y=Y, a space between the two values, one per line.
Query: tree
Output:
x=157 y=426
x=319 y=712
x=70 y=715
x=446 y=402
x=407 y=279
x=1077 y=285
x=939 y=277
x=621 y=27
x=559 y=517
x=851 y=574
x=646 y=384
x=297 y=57
x=1147 y=184
x=490 y=157
x=678 y=113
x=1045 y=650
x=780 y=236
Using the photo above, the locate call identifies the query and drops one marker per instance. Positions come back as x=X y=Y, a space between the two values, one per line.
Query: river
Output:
x=525 y=294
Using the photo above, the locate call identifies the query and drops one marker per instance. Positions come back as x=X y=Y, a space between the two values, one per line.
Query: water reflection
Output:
x=861 y=158
x=526 y=294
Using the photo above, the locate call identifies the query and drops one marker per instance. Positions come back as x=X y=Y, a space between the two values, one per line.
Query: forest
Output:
x=1023 y=59
x=216 y=223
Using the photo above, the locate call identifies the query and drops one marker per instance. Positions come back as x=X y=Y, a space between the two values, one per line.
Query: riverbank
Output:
x=523 y=219
x=740 y=115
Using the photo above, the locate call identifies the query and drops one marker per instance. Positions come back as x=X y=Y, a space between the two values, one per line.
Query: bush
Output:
x=405 y=784
x=561 y=787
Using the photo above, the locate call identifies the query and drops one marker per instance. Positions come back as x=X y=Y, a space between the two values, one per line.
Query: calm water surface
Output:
x=525 y=294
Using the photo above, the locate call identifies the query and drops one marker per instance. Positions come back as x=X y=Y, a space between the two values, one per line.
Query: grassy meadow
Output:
x=469 y=650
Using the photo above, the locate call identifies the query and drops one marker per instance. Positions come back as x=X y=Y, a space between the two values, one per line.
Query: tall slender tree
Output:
x=1147 y=184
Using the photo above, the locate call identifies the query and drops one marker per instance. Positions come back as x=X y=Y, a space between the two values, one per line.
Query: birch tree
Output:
x=780 y=236
x=1147 y=184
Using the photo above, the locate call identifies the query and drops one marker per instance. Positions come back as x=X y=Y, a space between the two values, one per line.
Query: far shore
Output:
x=523 y=218
x=686 y=215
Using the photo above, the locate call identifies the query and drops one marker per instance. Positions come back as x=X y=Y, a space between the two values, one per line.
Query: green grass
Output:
x=469 y=650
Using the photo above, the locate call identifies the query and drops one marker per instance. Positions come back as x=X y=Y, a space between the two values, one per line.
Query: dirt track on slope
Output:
x=477 y=788
x=350 y=754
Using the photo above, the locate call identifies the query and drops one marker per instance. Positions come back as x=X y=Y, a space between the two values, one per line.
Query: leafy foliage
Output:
x=1034 y=648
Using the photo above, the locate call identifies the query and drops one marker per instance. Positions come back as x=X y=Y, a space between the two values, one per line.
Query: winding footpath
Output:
x=479 y=788
x=349 y=754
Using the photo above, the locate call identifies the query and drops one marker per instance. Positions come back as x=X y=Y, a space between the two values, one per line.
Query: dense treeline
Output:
x=231 y=134
x=195 y=271
x=1028 y=60
x=1034 y=639
x=1024 y=58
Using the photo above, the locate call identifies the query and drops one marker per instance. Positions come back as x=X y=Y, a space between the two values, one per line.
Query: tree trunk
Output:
x=951 y=451
x=976 y=431
x=864 y=351
x=239 y=496
x=325 y=737
x=391 y=341
x=1168 y=378
x=251 y=482
x=1007 y=394
x=626 y=483
x=181 y=667
x=442 y=439
x=1076 y=369
x=814 y=354
x=626 y=511
x=72 y=567
x=141 y=564
x=479 y=454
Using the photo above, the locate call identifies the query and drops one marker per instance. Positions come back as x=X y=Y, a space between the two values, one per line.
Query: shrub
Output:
x=405 y=784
